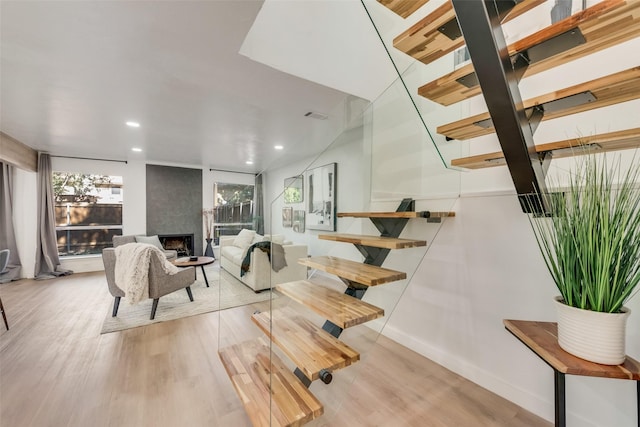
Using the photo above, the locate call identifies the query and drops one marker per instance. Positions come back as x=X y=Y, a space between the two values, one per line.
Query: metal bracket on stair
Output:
x=372 y=255
x=392 y=227
x=558 y=44
x=536 y=113
x=451 y=29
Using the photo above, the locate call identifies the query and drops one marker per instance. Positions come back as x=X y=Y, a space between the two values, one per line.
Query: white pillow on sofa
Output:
x=151 y=240
x=275 y=238
x=244 y=238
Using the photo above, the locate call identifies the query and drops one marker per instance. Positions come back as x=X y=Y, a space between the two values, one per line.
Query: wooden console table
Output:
x=542 y=339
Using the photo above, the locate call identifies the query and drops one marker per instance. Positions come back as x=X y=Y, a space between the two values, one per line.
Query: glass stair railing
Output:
x=392 y=184
x=539 y=40
x=372 y=202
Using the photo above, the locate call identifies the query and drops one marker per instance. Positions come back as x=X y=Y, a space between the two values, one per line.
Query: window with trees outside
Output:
x=88 y=210
x=233 y=209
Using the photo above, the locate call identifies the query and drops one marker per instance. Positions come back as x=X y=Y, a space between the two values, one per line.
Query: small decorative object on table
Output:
x=193 y=258
x=208 y=215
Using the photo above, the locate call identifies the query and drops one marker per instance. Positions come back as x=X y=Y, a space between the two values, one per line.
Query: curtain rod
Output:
x=89 y=158
x=224 y=170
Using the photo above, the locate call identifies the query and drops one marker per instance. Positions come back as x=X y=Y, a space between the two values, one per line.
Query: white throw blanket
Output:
x=132 y=269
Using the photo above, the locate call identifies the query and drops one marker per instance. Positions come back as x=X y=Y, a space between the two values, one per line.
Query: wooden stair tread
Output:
x=270 y=392
x=307 y=345
x=608 y=90
x=612 y=141
x=341 y=309
x=374 y=241
x=422 y=214
x=425 y=43
x=365 y=274
x=403 y=8
x=603 y=25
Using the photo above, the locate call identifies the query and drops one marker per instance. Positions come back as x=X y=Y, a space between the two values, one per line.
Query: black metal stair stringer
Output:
x=391 y=227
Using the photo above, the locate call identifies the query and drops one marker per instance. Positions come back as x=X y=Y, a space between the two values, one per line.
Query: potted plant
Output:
x=590 y=242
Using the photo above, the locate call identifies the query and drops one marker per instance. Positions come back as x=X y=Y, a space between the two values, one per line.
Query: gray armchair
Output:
x=160 y=283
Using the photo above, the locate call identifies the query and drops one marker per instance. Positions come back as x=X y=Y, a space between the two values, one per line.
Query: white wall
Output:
x=352 y=174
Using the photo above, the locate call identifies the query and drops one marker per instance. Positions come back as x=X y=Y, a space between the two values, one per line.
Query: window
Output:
x=233 y=209
x=88 y=212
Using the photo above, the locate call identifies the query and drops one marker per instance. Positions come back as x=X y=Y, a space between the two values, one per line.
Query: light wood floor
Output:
x=57 y=370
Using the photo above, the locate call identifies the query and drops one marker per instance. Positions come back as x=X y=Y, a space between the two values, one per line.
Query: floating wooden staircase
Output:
x=598 y=27
x=271 y=393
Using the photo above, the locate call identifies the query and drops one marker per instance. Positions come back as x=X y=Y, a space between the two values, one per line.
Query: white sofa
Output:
x=233 y=250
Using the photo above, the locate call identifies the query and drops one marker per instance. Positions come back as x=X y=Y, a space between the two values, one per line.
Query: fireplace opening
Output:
x=182 y=243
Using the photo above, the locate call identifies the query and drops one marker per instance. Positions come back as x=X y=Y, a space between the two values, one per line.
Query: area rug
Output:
x=177 y=305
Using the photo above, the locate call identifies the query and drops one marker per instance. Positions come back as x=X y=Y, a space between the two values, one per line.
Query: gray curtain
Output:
x=258 y=205
x=47 y=259
x=7 y=234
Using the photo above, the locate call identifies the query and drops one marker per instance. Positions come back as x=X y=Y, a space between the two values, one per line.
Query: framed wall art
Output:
x=298 y=221
x=321 y=198
x=287 y=217
x=294 y=189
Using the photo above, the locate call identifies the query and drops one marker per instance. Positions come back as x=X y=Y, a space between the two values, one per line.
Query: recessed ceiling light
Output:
x=133 y=124
x=136 y=149
x=249 y=162
x=278 y=147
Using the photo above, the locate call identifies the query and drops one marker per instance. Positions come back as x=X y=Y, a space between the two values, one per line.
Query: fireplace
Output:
x=183 y=243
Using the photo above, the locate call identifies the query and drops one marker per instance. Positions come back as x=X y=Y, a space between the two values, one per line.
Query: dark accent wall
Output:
x=174 y=202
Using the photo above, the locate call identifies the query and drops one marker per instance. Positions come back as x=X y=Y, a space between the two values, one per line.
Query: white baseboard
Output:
x=538 y=405
x=543 y=406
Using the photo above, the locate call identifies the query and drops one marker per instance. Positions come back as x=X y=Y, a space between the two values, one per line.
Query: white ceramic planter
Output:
x=591 y=335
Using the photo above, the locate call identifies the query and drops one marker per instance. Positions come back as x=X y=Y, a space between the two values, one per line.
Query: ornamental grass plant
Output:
x=590 y=239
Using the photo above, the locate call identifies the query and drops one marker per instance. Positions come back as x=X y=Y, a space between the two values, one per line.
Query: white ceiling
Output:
x=73 y=73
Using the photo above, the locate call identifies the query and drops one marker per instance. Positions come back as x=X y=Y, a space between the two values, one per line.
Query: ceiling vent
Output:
x=315 y=115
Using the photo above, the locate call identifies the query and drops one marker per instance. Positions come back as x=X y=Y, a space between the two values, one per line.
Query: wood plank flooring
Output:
x=57 y=370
